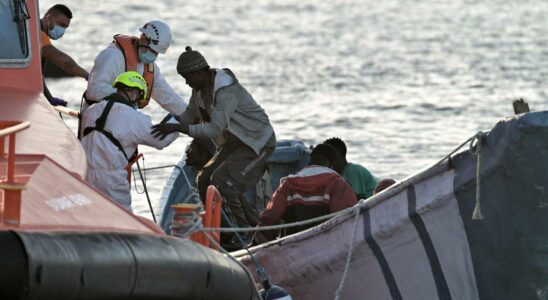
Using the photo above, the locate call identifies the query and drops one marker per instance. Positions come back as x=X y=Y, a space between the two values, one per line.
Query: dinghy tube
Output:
x=116 y=266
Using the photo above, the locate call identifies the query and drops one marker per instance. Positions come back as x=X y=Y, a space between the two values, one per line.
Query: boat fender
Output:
x=275 y=293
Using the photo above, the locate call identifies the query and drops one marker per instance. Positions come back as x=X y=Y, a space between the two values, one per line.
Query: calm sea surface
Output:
x=402 y=82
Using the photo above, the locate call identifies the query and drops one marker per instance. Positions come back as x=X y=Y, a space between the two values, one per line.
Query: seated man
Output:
x=314 y=191
x=113 y=129
x=361 y=180
x=198 y=153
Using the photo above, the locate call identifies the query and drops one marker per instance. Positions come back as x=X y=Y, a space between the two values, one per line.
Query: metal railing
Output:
x=11 y=212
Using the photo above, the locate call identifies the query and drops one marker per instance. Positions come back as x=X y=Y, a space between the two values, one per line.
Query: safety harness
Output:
x=102 y=120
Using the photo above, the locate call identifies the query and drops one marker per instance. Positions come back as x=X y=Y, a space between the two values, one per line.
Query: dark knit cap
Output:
x=190 y=61
x=324 y=150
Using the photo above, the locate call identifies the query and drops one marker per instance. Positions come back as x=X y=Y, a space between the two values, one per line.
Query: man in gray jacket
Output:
x=221 y=109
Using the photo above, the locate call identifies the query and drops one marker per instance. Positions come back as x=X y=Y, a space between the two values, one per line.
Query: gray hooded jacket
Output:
x=233 y=109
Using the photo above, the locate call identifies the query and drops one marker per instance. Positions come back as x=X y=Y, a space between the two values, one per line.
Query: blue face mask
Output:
x=147 y=57
x=56 y=33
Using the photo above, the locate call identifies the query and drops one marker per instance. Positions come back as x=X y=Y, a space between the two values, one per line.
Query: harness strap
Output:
x=100 y=126
x=126 y=44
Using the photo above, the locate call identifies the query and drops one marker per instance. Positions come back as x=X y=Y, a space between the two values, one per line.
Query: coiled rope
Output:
x=186 y=229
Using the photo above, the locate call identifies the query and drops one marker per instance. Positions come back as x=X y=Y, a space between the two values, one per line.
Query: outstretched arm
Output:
x=63 y=61
x=165 y=95
x=144 y=137
x=160 y=131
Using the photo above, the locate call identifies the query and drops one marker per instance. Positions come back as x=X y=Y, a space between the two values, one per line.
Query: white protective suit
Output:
x=106 y=163
x=110 y=63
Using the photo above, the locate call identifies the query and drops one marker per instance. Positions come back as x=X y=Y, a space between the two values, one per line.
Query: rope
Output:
x=477 y=215
x=349 y=256
x=261 y=272
x=144 y=181
x=193 y=192
x=448 y=156
x=281 y=226
x=212 y=241
x=162 y=167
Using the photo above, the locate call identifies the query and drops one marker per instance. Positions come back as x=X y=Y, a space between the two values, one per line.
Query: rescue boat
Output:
x=59 y=237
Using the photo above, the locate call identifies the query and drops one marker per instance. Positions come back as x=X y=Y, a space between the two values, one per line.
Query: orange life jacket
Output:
x=126 y=43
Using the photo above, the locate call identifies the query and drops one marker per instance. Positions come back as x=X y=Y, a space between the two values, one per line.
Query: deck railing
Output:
x=11 y=212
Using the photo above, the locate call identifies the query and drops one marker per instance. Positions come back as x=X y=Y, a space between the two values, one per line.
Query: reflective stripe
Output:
x=312 y=171
x=297 y=196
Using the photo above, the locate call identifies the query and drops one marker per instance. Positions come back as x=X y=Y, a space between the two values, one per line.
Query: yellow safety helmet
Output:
x=132 y=79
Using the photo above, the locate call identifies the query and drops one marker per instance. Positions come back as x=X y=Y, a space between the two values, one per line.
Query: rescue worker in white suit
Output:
x=130 y=53
x=112 y=130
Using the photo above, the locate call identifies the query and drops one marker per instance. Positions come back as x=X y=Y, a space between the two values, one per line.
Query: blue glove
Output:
x=167 y=118
x=57 y=101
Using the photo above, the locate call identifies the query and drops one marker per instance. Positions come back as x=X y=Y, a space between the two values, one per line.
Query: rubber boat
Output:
x=59 y=237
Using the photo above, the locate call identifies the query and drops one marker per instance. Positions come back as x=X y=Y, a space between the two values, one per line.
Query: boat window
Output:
x=14 y=36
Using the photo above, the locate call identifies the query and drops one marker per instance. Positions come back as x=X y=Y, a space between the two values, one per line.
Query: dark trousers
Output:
x=233 y=170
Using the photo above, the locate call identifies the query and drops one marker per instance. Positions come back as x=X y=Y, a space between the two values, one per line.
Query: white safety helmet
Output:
x=159 y=34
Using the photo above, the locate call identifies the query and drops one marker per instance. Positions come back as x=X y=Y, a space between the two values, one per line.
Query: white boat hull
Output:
x=417 y=240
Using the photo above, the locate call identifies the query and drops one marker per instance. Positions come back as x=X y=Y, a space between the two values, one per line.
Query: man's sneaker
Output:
x=235 y=243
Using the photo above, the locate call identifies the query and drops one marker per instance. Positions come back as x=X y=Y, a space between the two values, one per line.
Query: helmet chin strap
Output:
x=128 y=97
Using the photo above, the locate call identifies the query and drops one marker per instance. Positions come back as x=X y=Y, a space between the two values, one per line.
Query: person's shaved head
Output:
x=60 y=9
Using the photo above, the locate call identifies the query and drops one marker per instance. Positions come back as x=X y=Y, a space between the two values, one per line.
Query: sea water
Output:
x=402 y=82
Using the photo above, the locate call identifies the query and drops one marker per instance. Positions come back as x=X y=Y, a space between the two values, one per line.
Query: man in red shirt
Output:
x=314 y=191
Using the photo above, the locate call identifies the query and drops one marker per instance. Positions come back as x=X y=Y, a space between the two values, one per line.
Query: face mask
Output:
x=57 y=32
x=147 y=57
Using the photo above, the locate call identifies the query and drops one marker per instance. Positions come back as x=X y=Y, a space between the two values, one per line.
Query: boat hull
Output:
x=418 y=240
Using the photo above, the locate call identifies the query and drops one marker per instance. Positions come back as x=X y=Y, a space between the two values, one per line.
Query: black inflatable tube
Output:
x=115 y=266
